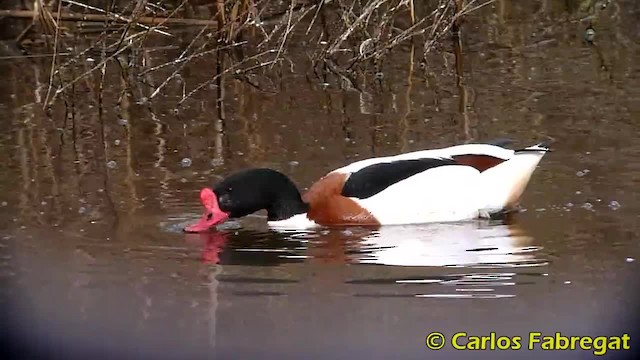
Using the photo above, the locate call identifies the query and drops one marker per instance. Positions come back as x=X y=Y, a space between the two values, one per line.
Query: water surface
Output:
x=93 y=263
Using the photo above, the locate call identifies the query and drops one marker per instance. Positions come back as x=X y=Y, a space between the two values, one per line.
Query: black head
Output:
x=248 y=191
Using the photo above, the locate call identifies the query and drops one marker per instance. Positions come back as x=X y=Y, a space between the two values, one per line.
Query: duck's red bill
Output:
x=212 y=216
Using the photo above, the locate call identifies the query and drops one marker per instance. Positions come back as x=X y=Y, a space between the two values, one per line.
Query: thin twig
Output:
x=32 y=56
x=184 y=60
x=365 y=13
x=190 y=57
x=313 y=21
x=287 y=30
x=67 y=85
x=53 y=61
x=147 y=20
x=229 y=69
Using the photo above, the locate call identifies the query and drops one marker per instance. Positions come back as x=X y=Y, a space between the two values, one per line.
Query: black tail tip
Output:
x=546 y=144
x=501 y=142
x=541 y=146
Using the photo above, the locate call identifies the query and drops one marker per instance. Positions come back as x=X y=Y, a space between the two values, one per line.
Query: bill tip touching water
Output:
x=456 y=183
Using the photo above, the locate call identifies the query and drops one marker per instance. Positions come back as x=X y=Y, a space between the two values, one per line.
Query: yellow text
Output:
x=597 y=344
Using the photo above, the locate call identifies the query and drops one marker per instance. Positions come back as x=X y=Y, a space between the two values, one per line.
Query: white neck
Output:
x=300 y=221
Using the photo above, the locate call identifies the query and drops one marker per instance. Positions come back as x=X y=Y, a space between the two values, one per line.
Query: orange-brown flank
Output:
x=328 y=207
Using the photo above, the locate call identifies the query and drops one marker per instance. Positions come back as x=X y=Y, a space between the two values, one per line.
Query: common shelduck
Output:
x=457 y=183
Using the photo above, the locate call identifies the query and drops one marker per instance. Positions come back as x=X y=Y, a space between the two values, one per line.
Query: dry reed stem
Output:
x=144 y=20
x=53 y=60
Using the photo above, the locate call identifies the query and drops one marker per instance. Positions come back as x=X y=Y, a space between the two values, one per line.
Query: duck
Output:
x=450 y=184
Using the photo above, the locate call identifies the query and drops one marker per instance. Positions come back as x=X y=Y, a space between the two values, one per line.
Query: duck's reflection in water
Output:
x=472 y=257
x=461 y=244
x=460 y=260
x=212 y=244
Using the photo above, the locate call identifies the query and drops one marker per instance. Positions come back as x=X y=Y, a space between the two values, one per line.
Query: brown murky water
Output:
x=93 y=262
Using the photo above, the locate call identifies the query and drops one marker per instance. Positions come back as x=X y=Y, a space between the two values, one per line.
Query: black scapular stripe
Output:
x=373 y=179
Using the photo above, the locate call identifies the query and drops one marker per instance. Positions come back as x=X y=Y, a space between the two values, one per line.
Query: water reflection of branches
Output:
x=459 y=65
